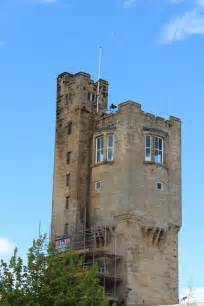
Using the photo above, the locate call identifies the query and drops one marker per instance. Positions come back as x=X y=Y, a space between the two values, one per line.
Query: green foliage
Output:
x=49 y=279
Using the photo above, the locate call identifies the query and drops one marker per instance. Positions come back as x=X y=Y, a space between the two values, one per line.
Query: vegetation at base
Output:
x=49 y=279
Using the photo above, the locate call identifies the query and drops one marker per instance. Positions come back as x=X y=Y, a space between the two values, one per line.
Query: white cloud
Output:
x=194 y=295
x=190 y=23
x=128 y=3
x=6 y=248
x=200 y=3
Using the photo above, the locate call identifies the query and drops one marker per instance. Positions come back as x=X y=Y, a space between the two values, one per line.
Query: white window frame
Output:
x=150 y=148
x=100 y=187
x=99 y=150
x=158 y=150
x=162 y=186
x=108 y=147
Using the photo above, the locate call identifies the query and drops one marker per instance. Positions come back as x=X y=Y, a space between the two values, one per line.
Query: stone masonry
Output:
x=128 y=184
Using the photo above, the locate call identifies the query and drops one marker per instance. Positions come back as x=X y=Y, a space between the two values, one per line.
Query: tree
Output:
x=49 y=279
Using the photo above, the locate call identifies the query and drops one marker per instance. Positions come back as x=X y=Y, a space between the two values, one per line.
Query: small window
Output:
x=68 y=159
x=66 y=229
x=66 y=99
x=148 y=148
x=159 y=186
x=110 y=147
x=67 y=179
x=158 y=150
x=67 y=202
x=91 y=96
x=69 y=128
x=98 y=185
x=99 y=149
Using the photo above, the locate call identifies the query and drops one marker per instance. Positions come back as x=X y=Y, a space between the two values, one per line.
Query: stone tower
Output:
x=117 y=191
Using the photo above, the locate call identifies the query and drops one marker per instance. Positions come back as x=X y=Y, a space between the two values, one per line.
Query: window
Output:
x=158 y=150
x=66 y=99
x=99 y=149
x=110 y=147
x=67 y=179
x=148 y=148
x=68 y=157
x=91 y=96
x=66 y=229
x=69 y=128
x=159 y=186
x=98 y=185
x=67 y=202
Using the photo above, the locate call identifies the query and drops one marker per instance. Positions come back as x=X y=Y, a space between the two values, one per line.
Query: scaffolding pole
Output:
x=115 y=266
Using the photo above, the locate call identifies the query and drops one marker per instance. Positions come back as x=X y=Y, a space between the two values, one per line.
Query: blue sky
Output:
x=152 y=53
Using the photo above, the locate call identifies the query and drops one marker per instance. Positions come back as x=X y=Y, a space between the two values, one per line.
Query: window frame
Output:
x=100 y=149
x=161 y=184
x=150 y=148
x=101 y=185
x=158 y=150
x=108 y=147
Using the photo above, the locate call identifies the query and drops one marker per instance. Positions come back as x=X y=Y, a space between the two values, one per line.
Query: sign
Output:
x=62 y=245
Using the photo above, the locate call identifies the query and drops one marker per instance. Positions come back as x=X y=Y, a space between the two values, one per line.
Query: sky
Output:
x=152 y=52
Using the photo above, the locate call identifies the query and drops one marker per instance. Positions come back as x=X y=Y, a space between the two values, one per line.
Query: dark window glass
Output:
x=69 y=128
x=68 y=157
x=159 y=186
x=68 y=179
x=67 y=202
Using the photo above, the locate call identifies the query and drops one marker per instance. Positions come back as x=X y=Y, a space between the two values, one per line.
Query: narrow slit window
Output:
x=110 y=147
x=66 y=229
x=148 y=148
x=69 y=128
x=66 y=99
x=67 y=202
x=158 y=150
x=67 y=179
x=68 y=157
x=99 y=149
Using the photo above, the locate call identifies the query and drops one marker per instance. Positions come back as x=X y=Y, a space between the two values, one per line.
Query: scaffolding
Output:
x=98 y=247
